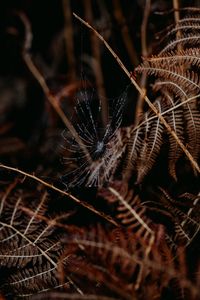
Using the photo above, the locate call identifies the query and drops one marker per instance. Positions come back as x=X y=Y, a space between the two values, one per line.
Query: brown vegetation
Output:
x=105 y=204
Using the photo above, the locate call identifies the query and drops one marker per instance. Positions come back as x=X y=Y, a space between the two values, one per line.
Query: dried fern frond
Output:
x=108 y=259
x=183 y=214
x=151 y=146
x=176 y=122
x=190 y=56
x=30 y=247
x=121 y=252
x=185 y=79
x=176 y=69
x=129 y=210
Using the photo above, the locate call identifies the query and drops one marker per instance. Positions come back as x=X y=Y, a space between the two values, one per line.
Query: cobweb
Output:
x=100 y=142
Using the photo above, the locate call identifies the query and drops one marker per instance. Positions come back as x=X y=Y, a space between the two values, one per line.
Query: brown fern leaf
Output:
x=118 y=255
x=129 y=210
x=102 y=260
x=180 y=212
x=193 y=129
x=195 y=200
x=137 y=143
x=186 y=39
x=121 y=252
x=151 y=148
x=192 y=221
x=177 y=81
x=188 y=116
x=134 y=142
x=29 y=246
x=187 y=57
x=176 y=122
x=187 y=80
x=189 y=30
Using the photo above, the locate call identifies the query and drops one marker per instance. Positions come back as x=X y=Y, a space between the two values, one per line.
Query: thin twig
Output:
x=167 y=126
x=51 y=186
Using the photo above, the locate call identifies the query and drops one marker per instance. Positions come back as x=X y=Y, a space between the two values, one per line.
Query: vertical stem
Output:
x=144 y=49
x=96 y=62
x=69 y=42
x=121 y=20
x=176 y=11
x=177 y=18
x=144 y=28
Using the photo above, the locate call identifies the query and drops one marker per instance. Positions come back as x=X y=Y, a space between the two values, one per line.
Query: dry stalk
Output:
x=176 y=11
x=96 y=62
x=144 y=49
x=69 y=40
x=121 y=20
x=177 y=18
